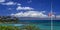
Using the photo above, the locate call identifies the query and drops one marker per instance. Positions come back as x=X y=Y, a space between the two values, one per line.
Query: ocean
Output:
x=45 y=24
x=42 y=24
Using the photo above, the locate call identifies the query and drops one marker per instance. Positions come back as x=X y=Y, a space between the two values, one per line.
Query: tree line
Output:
x=8 y=19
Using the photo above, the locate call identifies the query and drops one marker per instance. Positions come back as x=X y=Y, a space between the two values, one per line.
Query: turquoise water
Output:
x=43 y=25
x=56 y=25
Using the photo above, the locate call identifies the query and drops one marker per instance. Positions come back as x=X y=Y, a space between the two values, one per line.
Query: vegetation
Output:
x=8 y=19
x=25 y=27
x=8 y=28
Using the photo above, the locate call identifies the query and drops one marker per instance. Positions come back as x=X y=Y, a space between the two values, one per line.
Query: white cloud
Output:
x=24 y=8
x=19 y=4
x=53 y=16
x=58 y=16
x=10 y=3
x=2 y=1
x=30 y=14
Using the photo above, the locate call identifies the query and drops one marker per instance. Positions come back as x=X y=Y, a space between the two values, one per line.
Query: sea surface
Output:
x=42 y=24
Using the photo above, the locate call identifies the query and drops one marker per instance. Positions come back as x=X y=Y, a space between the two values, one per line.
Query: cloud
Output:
x=52 y=16
x=19 y=7
x=19 y=4
x=10 y=3
x=24 y=8
x=30 y=14
x=2 y=1
x=58 y=16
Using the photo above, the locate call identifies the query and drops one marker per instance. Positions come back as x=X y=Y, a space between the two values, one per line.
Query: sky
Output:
x=29 y=8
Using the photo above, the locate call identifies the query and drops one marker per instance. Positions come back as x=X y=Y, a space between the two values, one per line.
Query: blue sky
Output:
x=8 y=7
x=56 y=6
